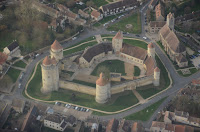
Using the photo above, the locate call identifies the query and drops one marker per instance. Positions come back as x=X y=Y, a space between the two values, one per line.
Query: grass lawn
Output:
x=146 y=113
x=13 y=74
x=116 y=66
x=20 y=64
x=118 y=101
x=136 y=71
x=99 y=3
x=149 y=90
x=121 y=25
x=5 y=38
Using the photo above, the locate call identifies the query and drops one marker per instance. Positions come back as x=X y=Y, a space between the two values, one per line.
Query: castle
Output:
x=104 y=90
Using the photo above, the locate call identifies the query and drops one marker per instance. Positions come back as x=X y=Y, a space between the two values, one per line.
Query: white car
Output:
x=144 y=38
x=87 y=110
x=74 y=38
x=19 y=86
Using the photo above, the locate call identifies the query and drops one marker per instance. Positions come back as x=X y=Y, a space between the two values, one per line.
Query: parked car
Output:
x=58 y=103
x=74 y=38
x=79 y=108
x=87 y=110
x=144 y=38
x=19 y=86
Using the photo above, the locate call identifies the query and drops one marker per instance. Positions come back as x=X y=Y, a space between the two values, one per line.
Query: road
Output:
x=179 y=82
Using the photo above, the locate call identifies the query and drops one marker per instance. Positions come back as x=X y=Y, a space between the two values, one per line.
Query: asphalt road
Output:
x=179 y=82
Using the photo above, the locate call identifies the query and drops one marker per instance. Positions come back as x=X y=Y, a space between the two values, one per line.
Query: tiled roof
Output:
x=159 y=9
x=56 y=45
x=3 y=58
x=13 y=45
x=96 y=50
x=150 y=45
x=112 y=125
x=171 y=39
x=71 y=119
x=180 y=128
x=119 y=35
x=153 y=2
x=157 y=69
x=169 y=127
x=137 y=127
x=95 y=13
x=53 y=60
x=180 y=58
x=101 y=81
x=46 y=61
x=54 y=118
x=134 y=51
x=150 y=65
x=158 y=24
x=158 y=124
x=53 y=23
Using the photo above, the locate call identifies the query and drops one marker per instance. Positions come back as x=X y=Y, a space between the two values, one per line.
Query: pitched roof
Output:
x=134 y=51
x=46 y=61
x=56 y=45
x=171 y=39
x=96 y=50
x=125 y=126
x=180 y=128
x=119 y=35
x=112 y=125
x=180 y=58
x=158 y=124
x=95 y=13
x=158 y=24
x=150 y=45
x=101 y=81
x=13 y=45
x=120 y=4
x=182 y=114
x=53 y=60
x=18 y=103
x=150 y=65
x=54 y=118
x=137 y=127
x=53 y=23
x=169 y=127
x=157 y=69
x=159 y=9
x=71 y=119
x=3 y=58
x=153 y=2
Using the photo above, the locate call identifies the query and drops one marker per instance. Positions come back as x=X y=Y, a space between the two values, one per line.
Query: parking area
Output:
x=68 y=109
x=196 y=61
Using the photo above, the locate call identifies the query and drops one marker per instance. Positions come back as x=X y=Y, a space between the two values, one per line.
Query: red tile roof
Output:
x=101 y=81
x=46 y=61
x=150 y=45
x=56 y=45
x=119 y=35
x=3 y=58
x=53 y=60
x=157 y=69
x=95 y=14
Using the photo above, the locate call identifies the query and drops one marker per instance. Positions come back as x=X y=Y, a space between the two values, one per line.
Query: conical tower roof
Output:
x=101 y=81
x=151 y=45
x=53 y=60
x=46 y=61
x=56 y=45
x=156 y=69
x=119 y=35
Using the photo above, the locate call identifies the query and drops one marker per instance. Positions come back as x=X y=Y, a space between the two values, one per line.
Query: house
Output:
x=3 y=58
x=30 y=119
x=160 y=12
x=155 y=26
x=18 y=105
x=112 y=125
x=166 y=127
x=118 y=7
x=12 y=50
x=53 y=25
x=56 y=122
x=83 y=14
x=137 y=127
x=124 y=126
x=60 y=21
x=181 y=60
x=152 y=4
x=181 y=117
x=71 y=120
x=96 y=15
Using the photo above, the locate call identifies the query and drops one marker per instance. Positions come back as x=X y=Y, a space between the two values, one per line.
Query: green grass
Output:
x=13 y=74
x=121 y=25
x=99 y=3
x=116 y=66
x=97 y=24
x=5 y=38
x=85 y=83
x=20 y=64
x=136 y=71
x=149 y=90
x=146 y=113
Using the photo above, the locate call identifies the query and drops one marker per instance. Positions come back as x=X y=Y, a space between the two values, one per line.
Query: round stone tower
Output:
x=156 y=77
x=56 y=50
x=151 y=50
x=102 y=90
x=50 y=75
x=117 y=42
x=170 y=21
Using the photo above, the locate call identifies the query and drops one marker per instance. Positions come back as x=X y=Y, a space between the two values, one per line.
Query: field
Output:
x=121 y=25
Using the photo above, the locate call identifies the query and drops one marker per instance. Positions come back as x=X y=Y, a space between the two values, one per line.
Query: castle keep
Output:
x=145 y=59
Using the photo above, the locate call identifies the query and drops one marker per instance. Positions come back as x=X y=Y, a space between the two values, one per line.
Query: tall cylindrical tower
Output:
x=102 y=90
x=56 y=50
x=156 y=77
x=151 y=50
x=50 y=75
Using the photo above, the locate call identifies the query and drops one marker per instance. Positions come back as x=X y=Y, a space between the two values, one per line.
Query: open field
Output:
x=121 y=25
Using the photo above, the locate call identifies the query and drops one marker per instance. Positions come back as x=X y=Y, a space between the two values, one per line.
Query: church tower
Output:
x=170 y=21
x=156 y=81
x=56 y=50
x=151 y=50
x=117 y=41
x=102 y=90
x=50 y=75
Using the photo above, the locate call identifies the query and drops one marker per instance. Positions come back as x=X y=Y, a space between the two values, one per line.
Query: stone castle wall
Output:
x=77 y=87
x=114 y=89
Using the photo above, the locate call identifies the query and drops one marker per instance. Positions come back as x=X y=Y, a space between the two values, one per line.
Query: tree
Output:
x=90 y=3
x=71 y=3
x=105 y=70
